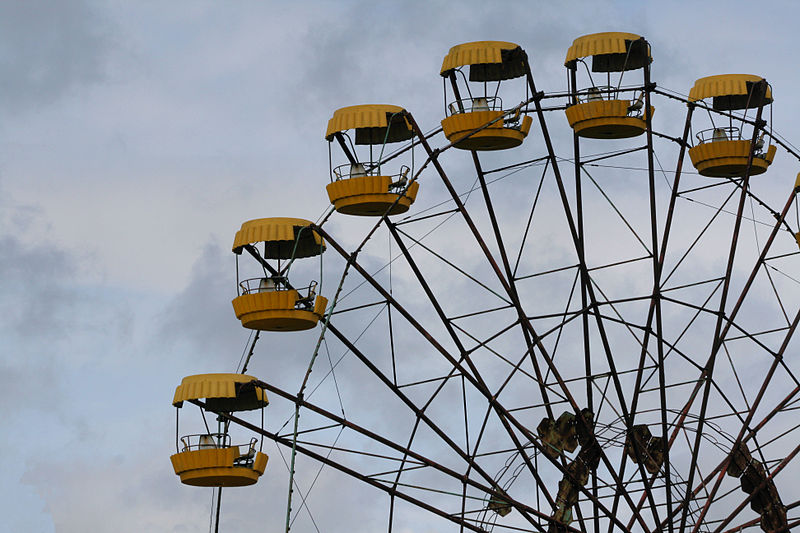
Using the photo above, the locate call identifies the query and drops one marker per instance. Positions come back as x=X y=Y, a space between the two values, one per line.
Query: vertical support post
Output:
x=720 y=331
x=587 y=358
x=586 y=282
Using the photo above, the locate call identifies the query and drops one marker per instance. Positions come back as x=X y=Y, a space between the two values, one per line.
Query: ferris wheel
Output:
x=556 y=336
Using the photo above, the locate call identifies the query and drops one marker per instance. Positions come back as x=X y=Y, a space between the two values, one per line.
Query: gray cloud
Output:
x=200 y=316
x=48 y=48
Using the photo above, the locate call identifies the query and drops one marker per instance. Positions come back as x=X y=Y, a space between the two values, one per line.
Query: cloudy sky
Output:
x=135 y=138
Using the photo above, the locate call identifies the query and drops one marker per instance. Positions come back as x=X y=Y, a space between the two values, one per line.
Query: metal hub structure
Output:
x=584 y=336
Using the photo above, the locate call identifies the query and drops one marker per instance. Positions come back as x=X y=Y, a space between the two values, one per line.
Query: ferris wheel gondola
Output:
x=601 y=111
x=479 y=121
x=209 y=459
x=726 y=150
x=361 y=187
x=270 y=302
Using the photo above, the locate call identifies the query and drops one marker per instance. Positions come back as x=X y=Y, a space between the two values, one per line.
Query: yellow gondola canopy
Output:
x=284 y=238
x=371 y=122
x=222 y=392
x=730 y=91
x=487 y=60
x=610 y=51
